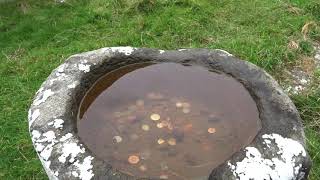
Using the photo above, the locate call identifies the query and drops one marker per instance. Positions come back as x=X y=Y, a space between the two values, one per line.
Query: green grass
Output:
x=36 y=36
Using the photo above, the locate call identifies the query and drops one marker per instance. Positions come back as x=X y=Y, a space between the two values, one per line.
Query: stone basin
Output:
x=276 y=150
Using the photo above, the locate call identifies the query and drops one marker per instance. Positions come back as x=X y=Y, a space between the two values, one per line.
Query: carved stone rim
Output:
x=277 y=152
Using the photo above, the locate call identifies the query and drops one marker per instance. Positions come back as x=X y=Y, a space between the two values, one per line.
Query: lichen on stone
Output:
x=283 y=165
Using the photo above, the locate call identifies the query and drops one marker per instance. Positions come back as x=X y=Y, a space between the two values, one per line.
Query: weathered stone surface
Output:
x=277 y=152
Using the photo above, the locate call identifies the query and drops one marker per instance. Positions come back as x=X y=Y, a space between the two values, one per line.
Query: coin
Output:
x=145 y=127
x=178 y=104
x=155 y=117
x=133 y=159
x=161 y=141
x=163 y=176
x=185 y=110
x=211 y=130
x=142 y=168
x=172 y=141
x=117 y=139
x=159 y=125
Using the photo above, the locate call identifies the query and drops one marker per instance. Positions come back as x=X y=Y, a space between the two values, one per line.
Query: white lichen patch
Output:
x=65 y=137
x=45 y=95
x=44 y=145
x=84 y=168
x=57 y=123
x=282 y=166
x=125 y=50
x=40 y=90
x=61 y=68
x=73 y=85
x=84 y=67
x=33 y=116
x=35 y=134
x=161 y=51
x=224 y=53
x=75 y=174
x=70 y=150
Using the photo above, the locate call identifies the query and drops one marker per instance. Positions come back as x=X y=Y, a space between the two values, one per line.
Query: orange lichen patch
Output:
x=133 y=159
x=211 y=130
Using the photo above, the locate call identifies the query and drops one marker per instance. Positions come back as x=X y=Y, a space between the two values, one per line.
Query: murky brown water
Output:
x=167 y=120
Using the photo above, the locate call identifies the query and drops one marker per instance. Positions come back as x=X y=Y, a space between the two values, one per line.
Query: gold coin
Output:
x=172 y=141
x=186 y=110
x=117 y=139
x=159 y=125
x=155 y=117
x=211 y=130
x=145 y=127
x=133 y=159
x=161 y=141
x=178 y=104
x=142 y=168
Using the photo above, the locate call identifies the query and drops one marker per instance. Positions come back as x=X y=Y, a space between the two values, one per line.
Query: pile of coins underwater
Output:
x=166 y=123
x=167 y=120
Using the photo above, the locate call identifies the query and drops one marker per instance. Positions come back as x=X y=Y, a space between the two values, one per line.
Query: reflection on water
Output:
x=167 y=120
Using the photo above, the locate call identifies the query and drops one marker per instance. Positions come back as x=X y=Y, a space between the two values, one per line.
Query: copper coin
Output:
x=172 y=141
x=133 y=159
x=161 y=141
x=211 y=130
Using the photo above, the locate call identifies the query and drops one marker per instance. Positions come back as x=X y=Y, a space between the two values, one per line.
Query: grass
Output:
x=36 y=36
